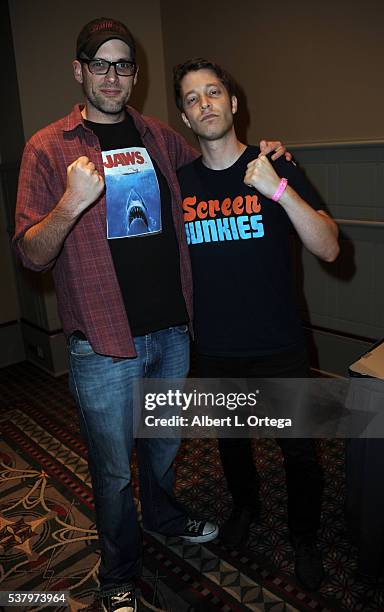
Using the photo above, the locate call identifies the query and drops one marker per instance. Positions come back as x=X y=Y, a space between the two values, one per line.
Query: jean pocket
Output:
x=181 y=329
x=79 y=347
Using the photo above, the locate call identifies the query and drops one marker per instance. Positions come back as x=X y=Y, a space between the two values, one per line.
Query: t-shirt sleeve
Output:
x=187 y=177
x=299 y=182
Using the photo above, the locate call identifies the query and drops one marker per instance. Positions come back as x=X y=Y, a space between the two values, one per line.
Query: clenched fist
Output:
x=84 y=183
x=261 y=175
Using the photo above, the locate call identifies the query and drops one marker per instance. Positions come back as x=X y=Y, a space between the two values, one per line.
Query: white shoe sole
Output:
x=122 y=609
x=202 y=538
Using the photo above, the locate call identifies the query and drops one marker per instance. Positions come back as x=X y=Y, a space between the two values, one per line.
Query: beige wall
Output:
x=44 y=38
x=312 y=70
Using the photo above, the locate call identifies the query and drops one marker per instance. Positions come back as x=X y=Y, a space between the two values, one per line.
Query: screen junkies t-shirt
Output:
x=140 y=230
x=244 y=297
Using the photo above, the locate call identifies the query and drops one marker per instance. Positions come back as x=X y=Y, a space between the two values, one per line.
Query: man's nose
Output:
x=112 y=74
x=204 y=103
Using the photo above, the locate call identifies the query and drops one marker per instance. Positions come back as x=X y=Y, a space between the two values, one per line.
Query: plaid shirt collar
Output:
x=75 y=119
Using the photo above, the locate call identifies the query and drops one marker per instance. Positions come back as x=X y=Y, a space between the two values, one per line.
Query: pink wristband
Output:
x=280 y=190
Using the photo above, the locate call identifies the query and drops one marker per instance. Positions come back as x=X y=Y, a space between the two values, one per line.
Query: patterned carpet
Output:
x=48 y=540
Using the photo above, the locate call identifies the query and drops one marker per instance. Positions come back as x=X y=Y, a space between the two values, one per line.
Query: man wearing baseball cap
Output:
x=99 y=204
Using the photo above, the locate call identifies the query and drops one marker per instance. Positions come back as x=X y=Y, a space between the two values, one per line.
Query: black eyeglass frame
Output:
x=114 y=64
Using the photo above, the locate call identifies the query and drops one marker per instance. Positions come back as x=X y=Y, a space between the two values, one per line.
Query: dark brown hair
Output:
x=193 y=65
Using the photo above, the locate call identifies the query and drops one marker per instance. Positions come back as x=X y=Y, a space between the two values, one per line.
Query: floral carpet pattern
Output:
x=48 y=540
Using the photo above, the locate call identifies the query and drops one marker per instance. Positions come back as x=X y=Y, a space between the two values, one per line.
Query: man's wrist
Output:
x=71 y=205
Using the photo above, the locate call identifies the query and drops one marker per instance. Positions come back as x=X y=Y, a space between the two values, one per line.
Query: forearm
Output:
x=318 y=232
x=43 y=242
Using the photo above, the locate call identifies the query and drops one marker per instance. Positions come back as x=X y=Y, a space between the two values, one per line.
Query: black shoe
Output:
x=309 y=569
x=235 y=531
x=125 y=601
x=197 y=532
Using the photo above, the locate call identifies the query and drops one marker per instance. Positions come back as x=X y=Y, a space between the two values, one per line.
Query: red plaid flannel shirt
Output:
x=88 y=293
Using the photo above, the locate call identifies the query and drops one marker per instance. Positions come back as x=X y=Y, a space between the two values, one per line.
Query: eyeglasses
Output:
x=102 y=66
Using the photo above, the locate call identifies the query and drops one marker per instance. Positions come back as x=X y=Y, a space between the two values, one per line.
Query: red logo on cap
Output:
x=106 y=25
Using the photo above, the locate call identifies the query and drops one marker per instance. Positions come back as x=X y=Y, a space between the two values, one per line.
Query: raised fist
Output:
x=261 y=175
x=84 y=183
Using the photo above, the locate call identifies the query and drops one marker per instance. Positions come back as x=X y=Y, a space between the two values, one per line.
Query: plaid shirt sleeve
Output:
x=38 y=192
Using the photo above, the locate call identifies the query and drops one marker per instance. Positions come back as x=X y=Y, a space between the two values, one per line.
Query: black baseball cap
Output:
x=97 y=32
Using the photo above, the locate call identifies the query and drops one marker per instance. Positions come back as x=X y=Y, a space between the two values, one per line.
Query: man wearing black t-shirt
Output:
x=99 y=204
x=238 y=211
x=122 y=276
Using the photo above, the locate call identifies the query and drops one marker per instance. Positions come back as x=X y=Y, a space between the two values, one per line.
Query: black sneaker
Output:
x=309 y=569
x=235 y=530
x=198 y=532
x=125 y=601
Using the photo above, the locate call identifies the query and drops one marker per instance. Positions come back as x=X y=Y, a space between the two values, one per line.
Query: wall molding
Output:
x=350 y=144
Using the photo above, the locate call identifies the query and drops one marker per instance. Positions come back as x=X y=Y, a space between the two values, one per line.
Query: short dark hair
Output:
x=199 y=63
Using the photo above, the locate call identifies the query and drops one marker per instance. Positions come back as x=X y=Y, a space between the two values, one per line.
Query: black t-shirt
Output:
x=244 y=297
x=147 y=263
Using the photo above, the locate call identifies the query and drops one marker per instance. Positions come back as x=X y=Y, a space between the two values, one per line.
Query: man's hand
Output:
x=43 y=241
x=316 y=229
x=267 y=146
x=84 y=184
x=261 y=175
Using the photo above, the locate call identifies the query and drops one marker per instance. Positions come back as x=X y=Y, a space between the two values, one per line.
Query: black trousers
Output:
x=304 y=475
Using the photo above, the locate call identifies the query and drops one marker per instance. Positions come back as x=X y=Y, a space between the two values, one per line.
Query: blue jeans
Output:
x=103 y=392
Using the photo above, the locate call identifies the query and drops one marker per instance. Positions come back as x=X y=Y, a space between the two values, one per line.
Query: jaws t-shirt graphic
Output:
x=132 y=193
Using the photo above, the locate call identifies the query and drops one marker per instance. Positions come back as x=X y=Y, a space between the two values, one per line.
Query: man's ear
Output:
x=77 y=71
x=184 y=118
x=234 y=105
